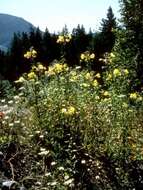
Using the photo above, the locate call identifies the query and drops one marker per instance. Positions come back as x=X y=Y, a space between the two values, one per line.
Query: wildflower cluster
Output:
x=117 y=73
x=69 y=110
x=34 y=73
x=87 y=56
x=135 y=96
x=30 y=54
x=93 y=78
x=57 y=68
x=62 y=39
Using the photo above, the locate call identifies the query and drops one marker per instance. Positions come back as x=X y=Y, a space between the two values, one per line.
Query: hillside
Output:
x=10 y=24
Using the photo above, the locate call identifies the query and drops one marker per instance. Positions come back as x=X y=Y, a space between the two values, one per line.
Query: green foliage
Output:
x=74 y=133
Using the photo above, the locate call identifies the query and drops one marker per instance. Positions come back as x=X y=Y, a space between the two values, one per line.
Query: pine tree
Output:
x=107 y=34
x=132 y=14
x=48 y=49
x=16 y=54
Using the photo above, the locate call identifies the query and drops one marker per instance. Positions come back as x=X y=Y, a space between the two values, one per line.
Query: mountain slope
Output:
x=10 y=24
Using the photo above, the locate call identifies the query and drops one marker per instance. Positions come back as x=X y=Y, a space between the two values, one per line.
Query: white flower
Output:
x=69 y=181
x=16 y=97
x=31 y=135
x=47 y=174
x=37 y=132
x=97 y=177
x=42 y=149
x=53 y=163
x=53 y=183
x=21 y=94
x=3 y=101
x=9 y=111
x=78 y=67
x=10 y=102
x=11 y=124
x=43 y=153
x=66 y=177
x=61 y=168
x=6 y=117
x=17 y=122
x=38 y=183
x=83 y=161
x=22 y=88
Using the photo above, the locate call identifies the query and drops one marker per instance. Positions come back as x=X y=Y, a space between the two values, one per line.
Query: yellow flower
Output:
x=73 y=73
x=20 y=80
x=65 y=67
x=33 y=53
x=106 y=93
x=98 y=75
x=82 y=56
x=41 y=67
x=67 y=40
x=30 y=54
x=88 y=76
x=109 y=77
x=50 y=71
x=58 y=67
x=27 y=55
x=31 y=75
x=69 y=36
x=95 y=83
x=73 y=78
x=71 y=110
x=124 y=105
x=112 y=55
x=85 y=85
x=139 y=99
x=60 y=39
x=126 y=71
x=116 y=72
x=92 y=56
x=133 y=95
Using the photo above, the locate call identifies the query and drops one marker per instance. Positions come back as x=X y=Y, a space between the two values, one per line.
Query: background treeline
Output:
x=13 y=63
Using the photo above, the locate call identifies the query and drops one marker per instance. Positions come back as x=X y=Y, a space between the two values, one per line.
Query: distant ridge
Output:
x=9 y=25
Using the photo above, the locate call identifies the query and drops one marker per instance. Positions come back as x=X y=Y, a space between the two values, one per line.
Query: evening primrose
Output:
x=92 y=56
x=60 y=39
x=31 y=75
x=68 y=111
x=95 y=83
x=133 y=95
x=20 y=80
x=116 y=72
x=112 y=55
x=98 y=75
x=109 y=77
x=106 y=93
x=82 y=56
x=126 y=71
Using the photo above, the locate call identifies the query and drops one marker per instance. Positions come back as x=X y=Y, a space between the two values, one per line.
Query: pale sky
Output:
x=54 y=14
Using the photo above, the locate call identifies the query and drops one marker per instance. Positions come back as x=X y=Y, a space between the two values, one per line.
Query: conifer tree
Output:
x=132 y=19
x=107 y=34
x=48 y=49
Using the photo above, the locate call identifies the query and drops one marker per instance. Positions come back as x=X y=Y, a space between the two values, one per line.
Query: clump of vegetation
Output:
x=72 y=128
x=75 y=127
